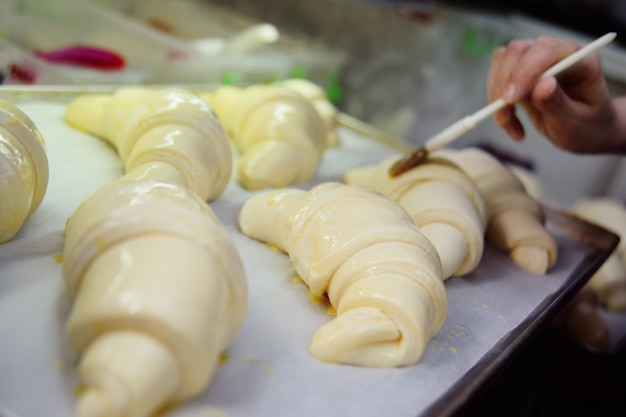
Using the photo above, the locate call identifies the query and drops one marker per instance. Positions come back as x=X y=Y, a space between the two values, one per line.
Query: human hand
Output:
x=574 y=111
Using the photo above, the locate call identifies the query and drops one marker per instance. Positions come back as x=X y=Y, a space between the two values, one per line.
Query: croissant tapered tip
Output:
x=363 y=336
x=535 y=260
x=95 y=402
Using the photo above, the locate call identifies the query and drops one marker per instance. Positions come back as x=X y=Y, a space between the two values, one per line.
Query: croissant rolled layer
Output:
x=23 y=169
x=280 y=135
x=150 y=259
x=318 y=98
x=516 y=223
x=170 y=134
x=444 y=203
x=364 y=251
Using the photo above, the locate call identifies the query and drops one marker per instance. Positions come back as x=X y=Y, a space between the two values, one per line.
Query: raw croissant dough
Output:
x=23 y=169
x=516 y=220
x=157 y=288
x=609 y=281
x=382 y=276
x=445 y=204
x=581 y=320
x=280 y=135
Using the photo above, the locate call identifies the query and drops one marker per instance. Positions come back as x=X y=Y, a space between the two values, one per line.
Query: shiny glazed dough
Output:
x=23 y=169
x=157 y=289
x=444 y=203
x=382 y=276
x=170 y=134
x=279 y=134
x=516 y=220
x=317 y=96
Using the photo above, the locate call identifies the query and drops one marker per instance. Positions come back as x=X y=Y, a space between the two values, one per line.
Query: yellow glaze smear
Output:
x=223 y=358
x=165 y=410
x=267 y=369
x=58 y=258
x=330 y=310
x=315 y=299
x=275 y=248
x=79 y=389
x=101 y=242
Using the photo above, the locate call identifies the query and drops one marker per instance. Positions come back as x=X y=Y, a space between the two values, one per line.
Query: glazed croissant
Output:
x=609 y=281
x=280 y=135
x=157 y=288
x=444 y=203
x=23 y=169
x=170 y=134
x=515 y=219
x=382 y=276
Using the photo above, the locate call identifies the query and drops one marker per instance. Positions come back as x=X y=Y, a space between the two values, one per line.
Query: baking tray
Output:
x=492 y=313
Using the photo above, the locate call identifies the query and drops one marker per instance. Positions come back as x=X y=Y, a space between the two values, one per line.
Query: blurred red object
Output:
x=21 y=74
x=84 y=56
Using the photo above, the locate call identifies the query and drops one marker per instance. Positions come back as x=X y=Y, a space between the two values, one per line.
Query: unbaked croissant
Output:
x=279 y=134
x=317 y=96
x=609 y=281
x=169 y=134
x=156 y=286
x=382 y=276
x=445 y=204
x=581 y=320
x=516 y=223
x=23 y=169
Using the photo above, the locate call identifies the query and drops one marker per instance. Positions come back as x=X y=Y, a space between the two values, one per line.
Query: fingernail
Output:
x=509 y=93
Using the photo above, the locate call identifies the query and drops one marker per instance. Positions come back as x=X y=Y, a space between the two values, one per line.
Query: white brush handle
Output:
x=454 y=131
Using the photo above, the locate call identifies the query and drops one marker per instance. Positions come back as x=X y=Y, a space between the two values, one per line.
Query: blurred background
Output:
x=410 y=68
x=407 y=67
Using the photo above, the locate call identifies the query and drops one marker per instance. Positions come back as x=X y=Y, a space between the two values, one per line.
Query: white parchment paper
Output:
x=269 y=371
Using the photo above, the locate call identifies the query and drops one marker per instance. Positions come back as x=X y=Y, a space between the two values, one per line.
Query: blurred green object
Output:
x=229 y=78
x=334 y=90
x=479 y=42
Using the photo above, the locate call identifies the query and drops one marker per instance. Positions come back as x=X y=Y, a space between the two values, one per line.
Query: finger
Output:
x=544 y=53
x=509 y=122
x=515 y=130
x=515 y=50
x=547 y=102
x=548 y=98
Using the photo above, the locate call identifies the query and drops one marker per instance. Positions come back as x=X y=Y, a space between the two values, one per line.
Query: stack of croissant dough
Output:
x=158 y=290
